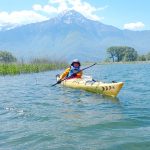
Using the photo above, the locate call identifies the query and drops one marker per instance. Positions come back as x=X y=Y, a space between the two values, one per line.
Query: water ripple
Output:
x=36 y=116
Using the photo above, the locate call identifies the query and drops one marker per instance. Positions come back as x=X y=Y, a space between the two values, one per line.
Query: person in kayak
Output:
x=73 y=71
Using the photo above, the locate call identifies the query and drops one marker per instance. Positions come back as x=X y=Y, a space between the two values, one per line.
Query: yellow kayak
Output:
x=87 y=84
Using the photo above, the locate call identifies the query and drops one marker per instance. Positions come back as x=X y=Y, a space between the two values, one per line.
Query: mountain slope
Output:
x=70 y=35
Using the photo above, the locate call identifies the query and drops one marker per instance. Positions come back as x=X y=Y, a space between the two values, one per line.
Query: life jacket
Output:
x=73 y=70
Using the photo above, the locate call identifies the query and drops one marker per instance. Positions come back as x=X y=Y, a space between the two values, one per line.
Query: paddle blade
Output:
x=58 y=82
x=54 y=84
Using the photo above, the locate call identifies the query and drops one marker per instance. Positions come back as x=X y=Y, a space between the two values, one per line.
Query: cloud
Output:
x=83 y=7
x=47 y=8
x=37 y=7
x=134 y=26
x=17 y=18
x=40 y=13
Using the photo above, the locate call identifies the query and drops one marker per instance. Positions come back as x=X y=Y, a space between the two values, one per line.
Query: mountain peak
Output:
x=70 y=16
x=71 y=13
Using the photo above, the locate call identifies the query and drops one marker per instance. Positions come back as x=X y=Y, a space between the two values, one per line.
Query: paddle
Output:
x=58 y=82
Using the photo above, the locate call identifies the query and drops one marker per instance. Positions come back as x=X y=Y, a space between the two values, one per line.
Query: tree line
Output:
x=7 y=57
x=115 y=53
x=125 y=53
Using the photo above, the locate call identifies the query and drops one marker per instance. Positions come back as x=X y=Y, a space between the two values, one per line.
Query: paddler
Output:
x=73 y=71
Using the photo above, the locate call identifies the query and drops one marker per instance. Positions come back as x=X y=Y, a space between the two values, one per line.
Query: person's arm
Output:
x=64 y=74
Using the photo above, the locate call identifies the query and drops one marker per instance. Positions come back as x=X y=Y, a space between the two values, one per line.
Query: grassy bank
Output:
x=17 y=68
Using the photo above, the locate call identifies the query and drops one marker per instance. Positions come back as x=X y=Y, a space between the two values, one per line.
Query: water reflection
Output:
x=80 y=108
x=81 y=95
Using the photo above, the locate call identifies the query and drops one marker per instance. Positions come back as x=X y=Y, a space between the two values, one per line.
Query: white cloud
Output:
x=45 y=12
x=85 y=8
x=37 y=7
x=58 y=6
x=47 y=8
x=134 y=26
x=17 y=18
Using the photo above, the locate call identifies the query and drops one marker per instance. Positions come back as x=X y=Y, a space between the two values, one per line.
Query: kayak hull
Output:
x=109 y=89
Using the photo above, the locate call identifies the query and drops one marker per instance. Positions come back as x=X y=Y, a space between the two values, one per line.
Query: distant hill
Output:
x=70 y=35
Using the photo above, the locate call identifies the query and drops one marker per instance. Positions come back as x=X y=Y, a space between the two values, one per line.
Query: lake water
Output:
x=35 y=116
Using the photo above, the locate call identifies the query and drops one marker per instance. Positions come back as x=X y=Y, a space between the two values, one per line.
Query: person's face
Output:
x=76 y=64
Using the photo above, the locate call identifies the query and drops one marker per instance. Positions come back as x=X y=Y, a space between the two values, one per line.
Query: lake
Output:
x=35 y=116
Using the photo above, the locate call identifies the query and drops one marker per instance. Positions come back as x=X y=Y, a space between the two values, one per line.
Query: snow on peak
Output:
x=71 y=16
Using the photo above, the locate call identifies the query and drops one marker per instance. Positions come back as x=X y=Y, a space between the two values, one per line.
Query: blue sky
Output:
x=124 y=14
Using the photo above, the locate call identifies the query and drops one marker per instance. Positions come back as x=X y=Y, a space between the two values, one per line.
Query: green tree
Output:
x=148 y=56
x=122 y=53
x=119 y=53
x=142 y=58
x=112 y=52
x=7 y=57
x=130 y=54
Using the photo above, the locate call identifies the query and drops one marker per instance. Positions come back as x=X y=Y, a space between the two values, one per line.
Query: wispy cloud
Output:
x=134 y=26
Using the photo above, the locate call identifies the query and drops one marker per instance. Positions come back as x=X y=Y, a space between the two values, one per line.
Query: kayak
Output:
x=88 y=84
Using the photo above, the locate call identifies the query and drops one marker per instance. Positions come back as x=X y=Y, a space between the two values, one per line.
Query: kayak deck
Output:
x=109 y=89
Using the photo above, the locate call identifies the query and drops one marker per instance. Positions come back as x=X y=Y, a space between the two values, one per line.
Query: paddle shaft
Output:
x=74 y=74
